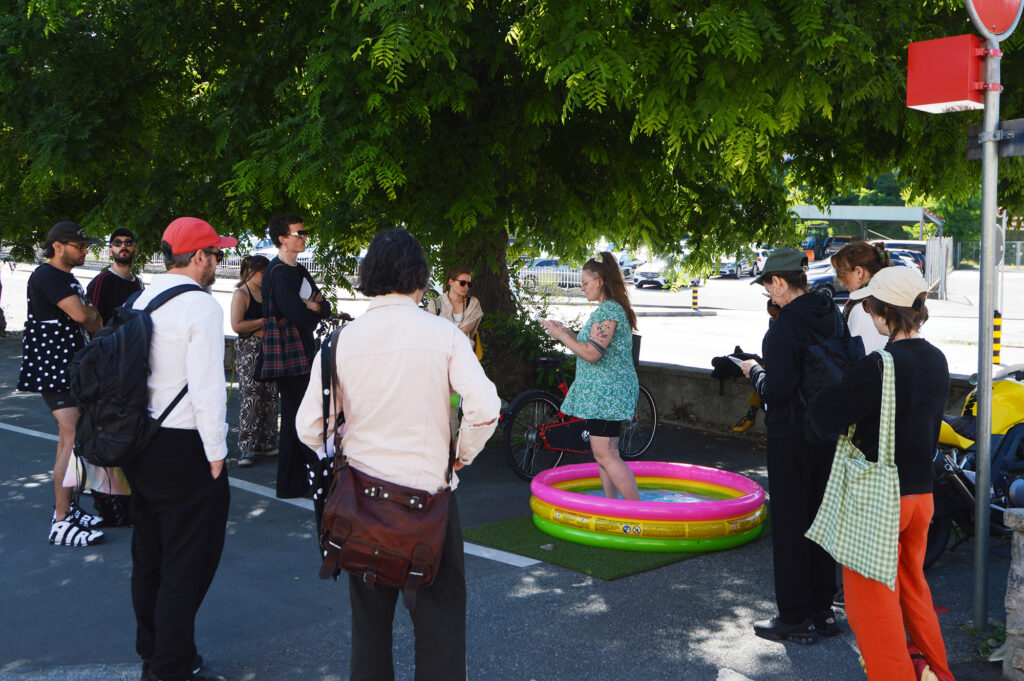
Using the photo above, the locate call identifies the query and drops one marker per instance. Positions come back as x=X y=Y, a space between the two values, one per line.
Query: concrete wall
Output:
x=688 y=396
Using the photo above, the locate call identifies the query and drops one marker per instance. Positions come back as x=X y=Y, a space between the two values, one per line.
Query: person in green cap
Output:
x=799 y=462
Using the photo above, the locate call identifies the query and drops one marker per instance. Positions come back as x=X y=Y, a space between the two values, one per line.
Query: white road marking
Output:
x=33 y=433
x=263 y=491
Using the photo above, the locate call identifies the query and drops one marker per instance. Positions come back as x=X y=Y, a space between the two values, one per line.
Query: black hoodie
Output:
x=807 y=320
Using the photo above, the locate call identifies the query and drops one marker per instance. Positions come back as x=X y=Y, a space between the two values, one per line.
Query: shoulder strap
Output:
x=157 y=301
x=887 y=419
x=164 y=296
x=329 y=382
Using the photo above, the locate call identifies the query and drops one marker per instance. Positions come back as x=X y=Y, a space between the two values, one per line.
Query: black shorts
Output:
x=59 y=399
x=601 y=428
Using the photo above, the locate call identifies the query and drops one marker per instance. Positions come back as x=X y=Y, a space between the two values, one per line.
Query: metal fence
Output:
x=228 y=268
x=968 y=254
x=550 y=277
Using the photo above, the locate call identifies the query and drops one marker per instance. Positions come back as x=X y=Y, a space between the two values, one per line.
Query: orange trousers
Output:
x=882 y=619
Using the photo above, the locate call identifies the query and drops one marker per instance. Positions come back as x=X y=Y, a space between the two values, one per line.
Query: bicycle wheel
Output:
x=638 y=433
x=525 y=454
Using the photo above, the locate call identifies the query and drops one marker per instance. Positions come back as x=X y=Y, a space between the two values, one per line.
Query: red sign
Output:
x=998 y=16
x=943 y=75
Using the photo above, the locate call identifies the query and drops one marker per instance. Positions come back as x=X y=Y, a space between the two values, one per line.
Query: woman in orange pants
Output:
x=883 y=619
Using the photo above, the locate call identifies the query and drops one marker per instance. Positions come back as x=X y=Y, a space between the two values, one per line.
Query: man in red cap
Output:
x=57 y=315
x=179 y=485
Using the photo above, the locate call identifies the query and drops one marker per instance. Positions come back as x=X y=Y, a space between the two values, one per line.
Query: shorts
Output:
x=601 y=428
x=59 y=399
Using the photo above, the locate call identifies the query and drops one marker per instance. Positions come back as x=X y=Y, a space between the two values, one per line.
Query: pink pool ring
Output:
x=750 y=495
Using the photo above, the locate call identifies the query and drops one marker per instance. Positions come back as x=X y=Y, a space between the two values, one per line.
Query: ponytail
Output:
x=250 y=266
x=613 y=285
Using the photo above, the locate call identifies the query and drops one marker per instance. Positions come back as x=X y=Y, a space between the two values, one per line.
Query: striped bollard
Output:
x=997 y=335
x=694 y=304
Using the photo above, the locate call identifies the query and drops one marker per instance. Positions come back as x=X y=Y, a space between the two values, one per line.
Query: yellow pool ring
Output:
x=697 y=529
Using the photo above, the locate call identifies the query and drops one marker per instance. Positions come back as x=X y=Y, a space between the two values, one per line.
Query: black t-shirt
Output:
x=108 y=291
x=47 y=286
x=922 y=384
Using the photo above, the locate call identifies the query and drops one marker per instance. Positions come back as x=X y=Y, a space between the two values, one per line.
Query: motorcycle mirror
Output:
x=973 y=380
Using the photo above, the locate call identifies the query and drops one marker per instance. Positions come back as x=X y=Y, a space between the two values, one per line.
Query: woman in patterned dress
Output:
x=257 y=414
x=606 y=386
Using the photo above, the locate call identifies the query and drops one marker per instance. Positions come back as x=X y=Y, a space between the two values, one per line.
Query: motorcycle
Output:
x=955 y=464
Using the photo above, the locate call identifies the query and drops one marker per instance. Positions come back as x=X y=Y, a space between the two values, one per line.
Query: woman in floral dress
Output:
x=606 y=387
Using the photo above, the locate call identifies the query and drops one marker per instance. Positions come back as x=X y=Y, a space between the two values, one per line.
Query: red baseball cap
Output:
x=186 y=235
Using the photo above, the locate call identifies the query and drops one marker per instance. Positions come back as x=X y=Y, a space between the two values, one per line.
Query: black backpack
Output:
x=825 y=362
x=109 y=379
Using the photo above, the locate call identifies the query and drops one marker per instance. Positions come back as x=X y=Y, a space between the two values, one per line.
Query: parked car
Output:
x=736 y=267
x=822 y=279
x=651 y=274
x=909 y=257
x=760 y=256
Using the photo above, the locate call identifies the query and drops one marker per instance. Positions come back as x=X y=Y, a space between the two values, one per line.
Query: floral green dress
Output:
x=608 y=388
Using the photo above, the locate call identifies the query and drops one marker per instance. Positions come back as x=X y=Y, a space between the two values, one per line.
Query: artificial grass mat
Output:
x=521 y=536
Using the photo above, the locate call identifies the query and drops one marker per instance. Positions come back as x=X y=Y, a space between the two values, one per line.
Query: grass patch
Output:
x=521 y=536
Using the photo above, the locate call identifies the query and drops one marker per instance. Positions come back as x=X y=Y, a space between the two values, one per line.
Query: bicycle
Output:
x=537 y=435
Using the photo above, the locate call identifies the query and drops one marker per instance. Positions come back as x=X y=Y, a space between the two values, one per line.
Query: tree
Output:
x=472 y=123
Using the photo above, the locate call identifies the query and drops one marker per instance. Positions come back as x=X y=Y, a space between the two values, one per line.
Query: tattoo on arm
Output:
x=601 y=335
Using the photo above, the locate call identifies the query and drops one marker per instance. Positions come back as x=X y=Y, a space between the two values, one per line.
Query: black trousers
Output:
x=292 y=455
x=180 y=514
x=805 y=574
x=438 y=620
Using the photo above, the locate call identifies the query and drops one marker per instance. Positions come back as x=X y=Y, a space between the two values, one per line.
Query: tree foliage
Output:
x=475 y=123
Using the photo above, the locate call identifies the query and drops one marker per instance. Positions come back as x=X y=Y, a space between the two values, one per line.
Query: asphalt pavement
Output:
x=66 y=612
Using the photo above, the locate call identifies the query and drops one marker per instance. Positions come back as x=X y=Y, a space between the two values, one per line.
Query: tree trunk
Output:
x=509 y=364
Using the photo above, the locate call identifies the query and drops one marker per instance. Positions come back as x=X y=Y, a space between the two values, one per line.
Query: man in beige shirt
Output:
x=397 y=368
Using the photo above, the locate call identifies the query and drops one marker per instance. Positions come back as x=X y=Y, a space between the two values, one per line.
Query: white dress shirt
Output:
x=188 y=346
x=397 y=369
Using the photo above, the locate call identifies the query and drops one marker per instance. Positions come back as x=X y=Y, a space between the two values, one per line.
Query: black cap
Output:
x=69 y=231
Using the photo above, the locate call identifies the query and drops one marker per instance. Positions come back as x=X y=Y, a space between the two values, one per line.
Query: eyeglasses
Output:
x=117 y=243
x=219 y=255
x=81 y=247
x=463 y=282
x=302 y=233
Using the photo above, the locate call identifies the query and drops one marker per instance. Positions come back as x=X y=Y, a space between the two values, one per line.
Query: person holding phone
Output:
x=606 y=386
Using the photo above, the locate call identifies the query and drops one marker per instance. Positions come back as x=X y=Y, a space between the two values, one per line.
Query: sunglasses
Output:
x=117 y=243
x=81 y=247
x=219 y=255
x=463 y=282
x=302 y=233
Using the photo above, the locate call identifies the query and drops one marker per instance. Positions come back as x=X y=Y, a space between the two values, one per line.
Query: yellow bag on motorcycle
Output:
x=858 y=522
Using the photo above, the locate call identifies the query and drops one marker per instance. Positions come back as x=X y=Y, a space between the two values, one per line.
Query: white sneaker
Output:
x=67 y=533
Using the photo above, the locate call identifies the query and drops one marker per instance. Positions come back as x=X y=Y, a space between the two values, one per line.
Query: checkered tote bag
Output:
x=858 y=522
x=283 y=351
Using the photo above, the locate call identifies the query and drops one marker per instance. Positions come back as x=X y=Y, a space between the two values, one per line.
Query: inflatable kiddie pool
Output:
x=682 y=508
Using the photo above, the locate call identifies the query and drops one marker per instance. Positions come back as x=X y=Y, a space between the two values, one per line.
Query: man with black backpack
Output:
x=179 y=484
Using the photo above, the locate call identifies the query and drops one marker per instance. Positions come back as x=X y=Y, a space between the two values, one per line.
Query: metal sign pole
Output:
x=987 y=281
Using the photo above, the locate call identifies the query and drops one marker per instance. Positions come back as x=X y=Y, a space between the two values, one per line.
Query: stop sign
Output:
x=995 y=18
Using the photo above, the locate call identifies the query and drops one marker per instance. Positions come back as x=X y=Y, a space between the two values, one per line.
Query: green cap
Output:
x=783 y=260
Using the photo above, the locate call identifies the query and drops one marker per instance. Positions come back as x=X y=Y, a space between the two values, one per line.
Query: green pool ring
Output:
x=651 y=544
